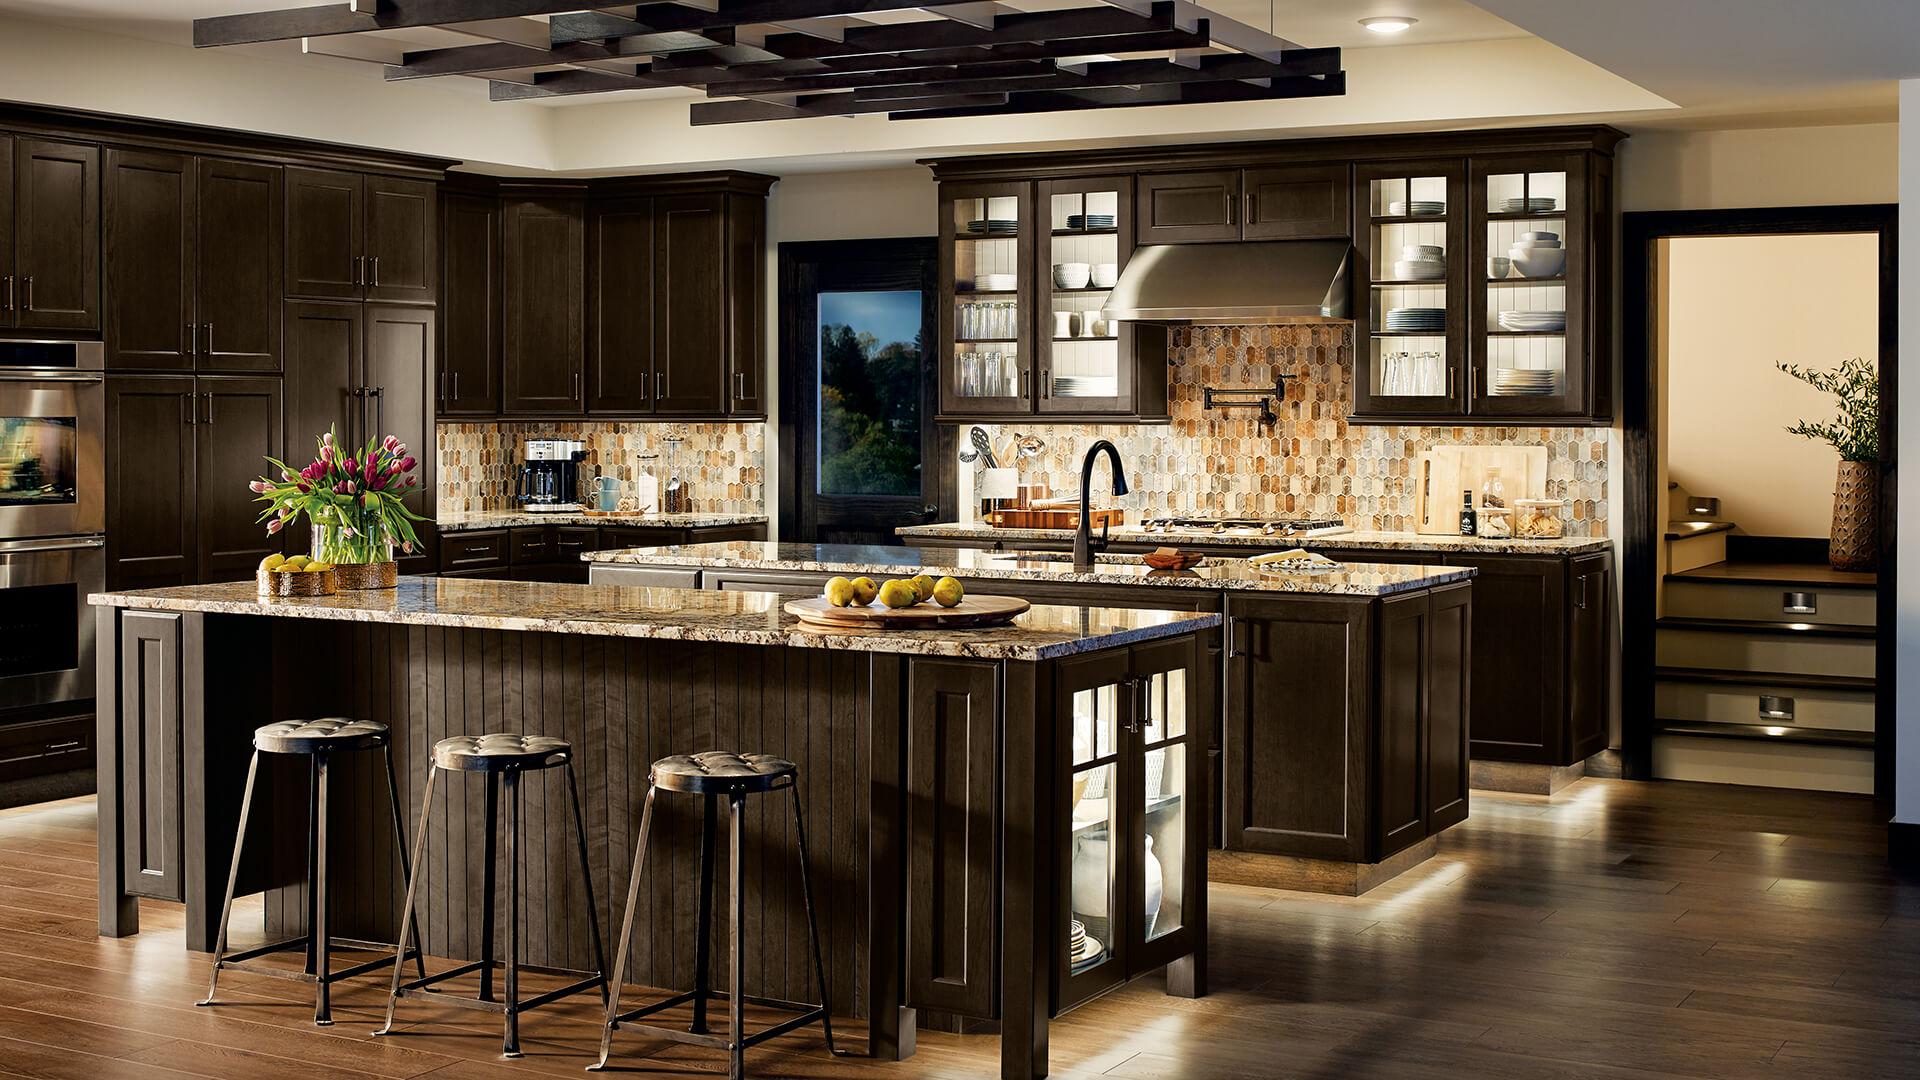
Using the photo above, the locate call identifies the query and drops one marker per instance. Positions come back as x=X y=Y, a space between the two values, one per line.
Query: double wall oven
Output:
x=52 y=552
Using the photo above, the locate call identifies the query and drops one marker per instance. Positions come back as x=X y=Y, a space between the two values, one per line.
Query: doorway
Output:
x=1746 y=659
x=859 y=386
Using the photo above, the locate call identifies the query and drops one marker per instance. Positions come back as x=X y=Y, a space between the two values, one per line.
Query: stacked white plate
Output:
x=998 y=282
x=1421 y=262
x=1090 y=221
x=1082 y=947
x=1416 y=320
x=1086 y=386
x=1417 y=208
x=993 y=226
x=1533 y=204
x=1535 y=321
x=1521 y=382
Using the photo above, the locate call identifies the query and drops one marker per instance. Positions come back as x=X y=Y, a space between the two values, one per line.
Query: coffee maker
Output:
x=549 y=477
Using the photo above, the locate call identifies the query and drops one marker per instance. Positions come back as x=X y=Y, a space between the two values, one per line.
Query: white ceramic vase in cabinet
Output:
x=1090 y=880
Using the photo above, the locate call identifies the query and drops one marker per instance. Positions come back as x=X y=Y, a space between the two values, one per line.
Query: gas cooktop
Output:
x=1275 y=526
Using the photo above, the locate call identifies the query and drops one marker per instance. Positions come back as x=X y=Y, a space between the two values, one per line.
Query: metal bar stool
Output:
x=318 y=740
x=713 y=775
x=503 y=757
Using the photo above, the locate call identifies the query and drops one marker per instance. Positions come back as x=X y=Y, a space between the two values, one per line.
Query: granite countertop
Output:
x=744 y=618
x=1350 y=579
x=502 y=519
x=1377 y=541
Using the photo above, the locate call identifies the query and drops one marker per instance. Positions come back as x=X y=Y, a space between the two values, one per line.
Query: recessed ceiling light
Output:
x=1388 y=24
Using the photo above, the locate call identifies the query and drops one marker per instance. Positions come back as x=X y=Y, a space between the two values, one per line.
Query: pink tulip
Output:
x=287 y=475
x=412 y=480
x=275 y=526
x=326 y=439
x=399 y=449
x=348 y=532
x=406 y=546
x=389 y=443
x=396 y=466
x=349 y=486
x=304 y=487
x=259 y=487
x=379 y=481
x=407 y=464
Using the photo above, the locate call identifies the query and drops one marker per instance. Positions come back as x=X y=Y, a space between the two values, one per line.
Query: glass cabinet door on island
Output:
x=987 y=233
x=1132 y=884
x=1411 y=218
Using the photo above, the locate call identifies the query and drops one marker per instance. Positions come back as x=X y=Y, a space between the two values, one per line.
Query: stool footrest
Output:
x=588 y=980
x=721 y=1042
x=239 y=961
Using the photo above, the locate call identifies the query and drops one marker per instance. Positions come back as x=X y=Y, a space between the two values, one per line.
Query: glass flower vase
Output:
x=361 y=552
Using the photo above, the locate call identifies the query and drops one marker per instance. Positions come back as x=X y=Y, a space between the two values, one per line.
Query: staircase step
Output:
x=1782 y=734
x=1728 y=677
x=1744 y=626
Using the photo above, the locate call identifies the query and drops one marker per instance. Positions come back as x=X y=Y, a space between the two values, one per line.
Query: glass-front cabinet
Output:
x=1132 y=876
x=1081 y=256
x=986 y=347
x=1411 y=219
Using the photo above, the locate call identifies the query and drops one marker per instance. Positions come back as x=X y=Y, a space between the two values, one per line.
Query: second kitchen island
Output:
x=1004 y=822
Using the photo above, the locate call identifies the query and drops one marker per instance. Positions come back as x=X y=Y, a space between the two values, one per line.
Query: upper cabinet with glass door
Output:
x=986 y=348
x=1087 y=363
x=1410 y=334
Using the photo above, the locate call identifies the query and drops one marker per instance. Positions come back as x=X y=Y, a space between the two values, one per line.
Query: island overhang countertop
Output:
x=1216 y=572
x=743 y=618
x=1358 y=539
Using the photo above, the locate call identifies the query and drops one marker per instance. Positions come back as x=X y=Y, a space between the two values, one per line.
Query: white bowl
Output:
x=1498 y=266
x=1105 y=274
x=1523 y=244
x=1554 y=236
x=1413 y=252
x=1072 y=275
x=1419 y=270
x=1538 y=262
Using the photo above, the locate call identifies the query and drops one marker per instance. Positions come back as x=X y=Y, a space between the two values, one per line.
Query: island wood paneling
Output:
x=623 y=704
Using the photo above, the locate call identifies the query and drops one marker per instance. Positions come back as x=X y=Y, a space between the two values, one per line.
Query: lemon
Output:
x=317 y=567
x=295 y=562
x=923 y=587
x=864 y=590
x=839 y=591
x=948 y=592
x=899 y=594
x=273 y=561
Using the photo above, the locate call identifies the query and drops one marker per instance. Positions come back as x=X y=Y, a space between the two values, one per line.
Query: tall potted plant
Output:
x=1855 y=433
x=354 y=503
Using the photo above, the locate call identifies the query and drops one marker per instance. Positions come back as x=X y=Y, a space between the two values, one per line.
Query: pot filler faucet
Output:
x=1083 y=542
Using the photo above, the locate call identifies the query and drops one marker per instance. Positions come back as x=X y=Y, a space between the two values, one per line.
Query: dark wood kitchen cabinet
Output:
x=470 y=306
x=543 y=301
x=620 y=306
x=690 y=303
x=192 y=263
x=355 y=237
x=180 y=451
x=1293 y=202
x=51 y=235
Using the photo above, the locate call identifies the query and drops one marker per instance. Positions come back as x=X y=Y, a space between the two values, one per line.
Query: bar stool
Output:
x=713 y=775
x=503 y=758
x=318 y=740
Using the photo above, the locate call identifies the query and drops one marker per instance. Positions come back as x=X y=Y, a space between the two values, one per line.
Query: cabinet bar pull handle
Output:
x=209 y=327
x=576 y=386
x=1229 y=207
x=456 y=386
x=1253 y=207
x=739 y=386
x=379 y=413
x=443 y=387
x=209 y=406
x=659 y=390
x=9 y=306
x=193 y=340
x=190 y=409
x=376 y=271
x=26 y=289
x=359 y=269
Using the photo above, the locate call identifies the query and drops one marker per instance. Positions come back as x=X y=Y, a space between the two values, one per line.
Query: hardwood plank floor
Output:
x=1619 y=931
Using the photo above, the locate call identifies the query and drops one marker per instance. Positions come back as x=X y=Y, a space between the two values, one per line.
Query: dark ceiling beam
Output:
x=1239 y=36
x=547 y=84
x=341 y=17
x=925 y=81
x=1039 y=101
x=1218 y=68
x=483 y=59
x=747 y=110
x=652 y=18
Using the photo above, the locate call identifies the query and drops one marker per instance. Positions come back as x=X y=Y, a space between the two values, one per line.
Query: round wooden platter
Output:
x=972 y=611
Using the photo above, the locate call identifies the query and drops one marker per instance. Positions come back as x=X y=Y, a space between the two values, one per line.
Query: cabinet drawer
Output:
x=528 y=546
x=572 y=541
x=45 y=747
x=613 y=537
x=645 y=577
x=1762 y=603
x=484 y=550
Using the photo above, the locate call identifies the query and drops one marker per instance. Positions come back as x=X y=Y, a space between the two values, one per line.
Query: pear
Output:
x=839 y=591
x=273 y=562
x=947 y=592
x=864 y=590
x=899 y=594
x=923 y=587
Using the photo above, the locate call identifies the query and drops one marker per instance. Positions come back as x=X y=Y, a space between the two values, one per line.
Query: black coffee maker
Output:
x=549 y=478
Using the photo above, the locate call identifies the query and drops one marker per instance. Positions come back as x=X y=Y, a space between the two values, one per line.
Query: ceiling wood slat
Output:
x=1221 y=67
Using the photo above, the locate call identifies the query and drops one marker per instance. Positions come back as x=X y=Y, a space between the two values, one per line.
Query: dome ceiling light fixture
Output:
x=784 y=59
x=1389 y=24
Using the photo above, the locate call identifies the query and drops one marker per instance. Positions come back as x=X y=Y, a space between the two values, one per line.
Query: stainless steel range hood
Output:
x=1270 y=281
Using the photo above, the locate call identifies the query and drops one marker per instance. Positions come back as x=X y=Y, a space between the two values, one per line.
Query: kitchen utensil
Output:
x=1167 y=558
x=1443 y=472
x=978 y=436
x=1498 y=266
x=972 y=611
x=607 y=493
x=677 y=497
x=1296 y=561
x=1032 y=446
x=969 y=456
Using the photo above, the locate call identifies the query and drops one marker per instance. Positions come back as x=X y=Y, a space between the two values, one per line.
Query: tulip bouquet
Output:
x=352 y=498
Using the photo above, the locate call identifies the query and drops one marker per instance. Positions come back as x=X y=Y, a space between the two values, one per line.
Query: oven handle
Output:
x=24 y=547
x=20 y=375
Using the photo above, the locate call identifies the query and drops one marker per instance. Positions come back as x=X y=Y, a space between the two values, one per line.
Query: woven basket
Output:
x=1856 y=515
x=379 y=575
x=289 y=583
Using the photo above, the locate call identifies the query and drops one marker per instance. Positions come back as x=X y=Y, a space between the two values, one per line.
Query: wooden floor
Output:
x=1620 y=930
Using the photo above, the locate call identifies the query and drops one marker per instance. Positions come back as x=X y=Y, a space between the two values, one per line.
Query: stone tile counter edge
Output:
x=508 y=519
x=1375 y=541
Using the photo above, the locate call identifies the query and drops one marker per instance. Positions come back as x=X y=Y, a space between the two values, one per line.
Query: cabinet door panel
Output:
x=1183 y=208
x=746 y=305
x=1449 y=706
x=57 y=235
x=1297 y=203
x=1404 y=662
x=401 y=237
x=621 y=308
x=9 y=283
x=1299 y=695
x=1519 y=657
x=952 y=819
x=323 y=365
x=149 y=259
x=150 y=481
x=690 y=316
x=150 y=687
x=470 y=308
x=1589 y=655
x=398 y=373
x=241 y=426
x=325 y=234
x=543 y=305
x=238 y=271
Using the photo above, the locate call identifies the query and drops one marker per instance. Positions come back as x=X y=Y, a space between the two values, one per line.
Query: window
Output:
x=871 y=357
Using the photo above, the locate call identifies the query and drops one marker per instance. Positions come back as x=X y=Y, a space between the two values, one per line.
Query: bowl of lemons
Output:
x=917 y=602
x=296 y=575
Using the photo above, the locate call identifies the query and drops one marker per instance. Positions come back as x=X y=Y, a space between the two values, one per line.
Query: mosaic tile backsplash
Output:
x=1222 y=463
x=724 y=463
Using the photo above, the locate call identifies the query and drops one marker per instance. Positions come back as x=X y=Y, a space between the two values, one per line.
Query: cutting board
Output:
x=1442 y=473
x=973 y=611
x=1056 y=519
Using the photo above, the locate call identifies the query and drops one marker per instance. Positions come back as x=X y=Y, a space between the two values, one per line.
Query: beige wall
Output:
x=1731 y=306
x=1799 y=166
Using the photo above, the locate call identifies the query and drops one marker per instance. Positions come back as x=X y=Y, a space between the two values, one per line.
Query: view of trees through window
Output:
x=871 y=350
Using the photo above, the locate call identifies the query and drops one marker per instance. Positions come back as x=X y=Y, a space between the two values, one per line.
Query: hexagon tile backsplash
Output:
x=724 y=463
x=1221 y=463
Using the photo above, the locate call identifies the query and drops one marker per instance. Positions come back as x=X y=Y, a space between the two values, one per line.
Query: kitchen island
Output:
x=998 y=817
x=1337 y=717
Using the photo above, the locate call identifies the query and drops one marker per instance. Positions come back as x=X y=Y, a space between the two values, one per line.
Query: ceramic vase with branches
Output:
x=1855 y=433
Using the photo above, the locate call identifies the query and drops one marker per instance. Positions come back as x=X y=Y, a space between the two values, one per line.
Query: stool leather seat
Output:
x=719 y=772
x=499 y=751
x=327 y=734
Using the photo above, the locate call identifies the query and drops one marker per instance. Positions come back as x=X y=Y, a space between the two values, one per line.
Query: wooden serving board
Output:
x=972 y=611
x=1056 y=519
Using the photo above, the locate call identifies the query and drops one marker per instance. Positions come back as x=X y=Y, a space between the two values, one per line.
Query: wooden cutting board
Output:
x=1442 y=473
x=1057 y=519
x=973 y=611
